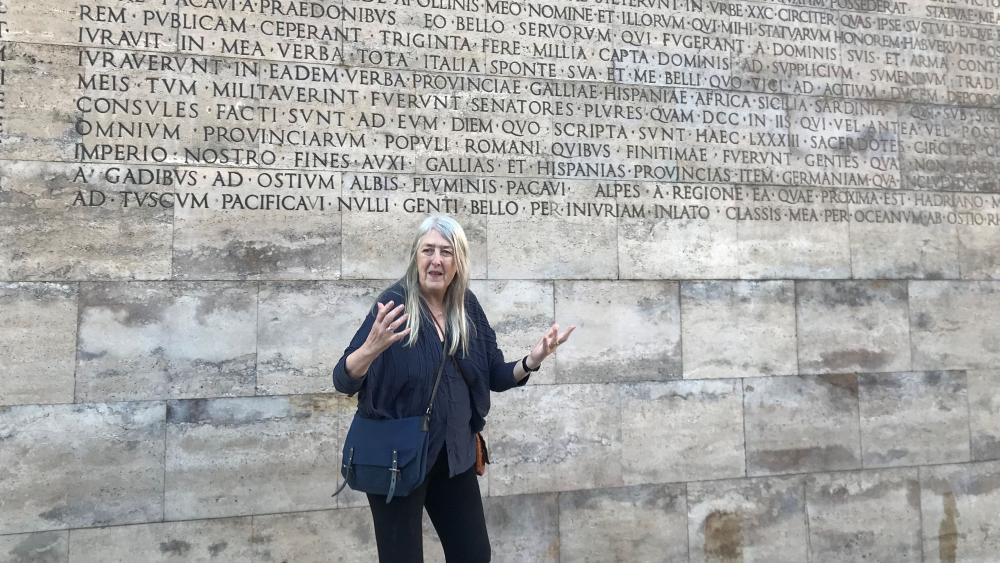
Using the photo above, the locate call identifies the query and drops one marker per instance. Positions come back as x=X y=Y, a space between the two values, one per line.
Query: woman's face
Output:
x=435 y=263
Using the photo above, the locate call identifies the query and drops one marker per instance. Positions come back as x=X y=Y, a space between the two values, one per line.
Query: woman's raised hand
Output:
x=383 y=333
x=548 y=343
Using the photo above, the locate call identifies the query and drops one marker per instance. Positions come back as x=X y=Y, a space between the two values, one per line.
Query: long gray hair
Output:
x=454 y=298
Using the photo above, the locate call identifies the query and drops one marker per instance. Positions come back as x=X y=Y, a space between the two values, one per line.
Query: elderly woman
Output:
x=392 y=362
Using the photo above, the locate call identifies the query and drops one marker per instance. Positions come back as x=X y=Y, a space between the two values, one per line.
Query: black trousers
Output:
x=455 y=508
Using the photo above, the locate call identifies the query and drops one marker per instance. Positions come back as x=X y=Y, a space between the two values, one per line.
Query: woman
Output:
x=391 y=363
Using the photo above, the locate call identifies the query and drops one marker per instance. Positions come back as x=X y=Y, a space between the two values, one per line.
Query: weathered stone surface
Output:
x=101 y=464
x=343 y=536
x=959 y=505
x=39 y=547
x=221 y=540
x=953 y=325
x=299 y=241
x=304 y=328
x=520 y=312
x=553 y=247
x=753 y=520
x=210 y=440
x=735 y=329
x=376 y=242
x=37 y=342
x=895 y=250
x=799 y=424
x=864 y=516
x=163 y=340
x=565 y=437
x=914 y=418
x=647 y=523
x=945 y=148
x=979 y=253
x=52 y=21
x=682 y=431
x=666 y=247
x=640 y=342
x=848 y=326
x=984 y=413
x=794 y=249
x=43 y=236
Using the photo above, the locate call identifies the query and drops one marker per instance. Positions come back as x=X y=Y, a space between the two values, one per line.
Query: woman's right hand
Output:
x=383 y=333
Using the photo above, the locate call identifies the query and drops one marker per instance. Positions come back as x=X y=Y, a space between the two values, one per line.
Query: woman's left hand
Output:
x=548 y=344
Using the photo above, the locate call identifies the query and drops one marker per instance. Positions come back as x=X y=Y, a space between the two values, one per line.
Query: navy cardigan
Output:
x=399 y=381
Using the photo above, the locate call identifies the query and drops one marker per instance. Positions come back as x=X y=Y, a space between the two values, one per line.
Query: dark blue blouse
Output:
x=400 y=380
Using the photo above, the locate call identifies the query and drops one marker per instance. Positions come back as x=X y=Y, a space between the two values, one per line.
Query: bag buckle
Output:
x=394 y=471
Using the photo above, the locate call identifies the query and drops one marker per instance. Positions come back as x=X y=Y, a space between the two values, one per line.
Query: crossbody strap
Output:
x=426 y=426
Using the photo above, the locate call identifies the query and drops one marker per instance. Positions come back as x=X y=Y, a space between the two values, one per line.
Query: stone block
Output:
x=520 y=312
x=304 y=329
x=45 y=236
x=959 y=506
x=802 y=424
x=161 y=340
x=984 y=413
x=546 y=438
x=914 y=418
x=38 y=547
x=848 y=326
x=647 y=523
x=682 y=431
x=864 y=516
x=73 y=466
x=342 y=536
x=639 y=342
x=752 y=520
x=37 y=342
x=285 y=450
x=241 y=234
x=736 y=329
x=195 y=541
x=953 y=325
x=979 y=253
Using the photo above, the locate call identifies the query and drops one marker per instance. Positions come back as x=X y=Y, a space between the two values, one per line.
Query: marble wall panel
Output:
x=852 y=326
x=785 y=240
x=546 y=438
x=744 y=328
x=304 y=329
x=161 y=340
x=44 y=236
x=209 y=441
x=952 y=324
x=801 y=424
x=646 y=523
x=864 y=516
x=101 y=464
x=520 y=312
x=221 y=540
x=640 y=342
x=240 y=233
x=377 y=234
x=682 y=431
x=979 y=253
x=753 y=520
x=914 y=418
x=684 y=234
x=39 y=80
x=342 y=536
x=984 y=413
x=959 y=503
x=547 y=238
x=37 y=342
x=39 y=547
x=52 y=21
x=949 y=148
x=910 y=242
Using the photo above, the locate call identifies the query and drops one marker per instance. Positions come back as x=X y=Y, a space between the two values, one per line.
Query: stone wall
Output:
x=776 y=225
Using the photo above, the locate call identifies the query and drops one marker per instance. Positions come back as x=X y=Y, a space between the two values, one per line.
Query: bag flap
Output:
x=374 y=440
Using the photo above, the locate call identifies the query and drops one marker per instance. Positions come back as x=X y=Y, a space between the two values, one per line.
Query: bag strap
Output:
x=426 y=425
